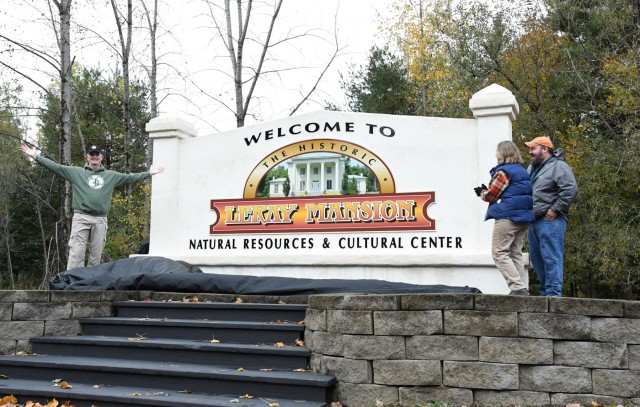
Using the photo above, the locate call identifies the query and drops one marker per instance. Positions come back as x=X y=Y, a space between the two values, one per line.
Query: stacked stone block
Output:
x=27 y=314
x=460 y=349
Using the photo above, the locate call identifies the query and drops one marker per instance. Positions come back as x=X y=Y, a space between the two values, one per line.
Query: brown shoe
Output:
x=522 y=291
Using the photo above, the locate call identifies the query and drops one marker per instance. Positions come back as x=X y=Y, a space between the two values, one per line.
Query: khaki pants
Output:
x=506 y=249
x=86 y=228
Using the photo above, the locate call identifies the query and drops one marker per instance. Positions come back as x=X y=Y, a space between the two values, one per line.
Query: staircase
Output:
x=183 y=354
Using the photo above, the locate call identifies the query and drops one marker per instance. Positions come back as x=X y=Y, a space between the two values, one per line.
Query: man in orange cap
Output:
x=554 y=190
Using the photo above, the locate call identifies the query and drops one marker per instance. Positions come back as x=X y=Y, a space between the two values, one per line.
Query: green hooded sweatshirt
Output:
x=92 y=190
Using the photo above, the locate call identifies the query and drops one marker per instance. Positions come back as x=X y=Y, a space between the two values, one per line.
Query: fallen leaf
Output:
x=595 y=403
x=379 y=403
x=274 y=405
x=138 y=338
x=266 y=370
x=23 y=353
x=65 y=385
x=136 y=394
x=279 y=345
x=8 y=399
x=234 y=401
x=240 y=369
x=215 y=341
x=239 y=300
x=97 y=386
x=184 y=391
x=336 y=404
x=3 y=377
x=301 y=322
x=281 y=302
x=299 y=342
x=246 y=396
x=53 y=403
x=300 y=370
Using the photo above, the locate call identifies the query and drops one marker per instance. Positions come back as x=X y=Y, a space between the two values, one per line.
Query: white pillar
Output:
x=308 y=186
x=167 y=132
x=322 y=186
x=495 y=108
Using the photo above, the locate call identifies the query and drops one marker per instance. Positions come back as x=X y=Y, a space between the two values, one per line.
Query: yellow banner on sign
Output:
x=323 y=214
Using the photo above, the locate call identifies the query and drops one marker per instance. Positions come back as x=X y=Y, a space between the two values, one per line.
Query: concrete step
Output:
x=174 y=350
x=224 y=331
x=212 y=311
x=170 y=376
x=83 y=395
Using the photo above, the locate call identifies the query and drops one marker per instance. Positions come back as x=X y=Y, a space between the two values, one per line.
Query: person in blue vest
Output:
x=554 y=190
x=511 y=205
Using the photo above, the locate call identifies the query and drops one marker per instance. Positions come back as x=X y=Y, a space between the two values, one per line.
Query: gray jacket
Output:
x=554 y=186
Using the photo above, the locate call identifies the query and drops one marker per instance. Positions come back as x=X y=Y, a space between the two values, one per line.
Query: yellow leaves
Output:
x=214 y=340
x=240 y=369
x=239 y=300
x=279 y=345
x=299 y=342
x=246 y=396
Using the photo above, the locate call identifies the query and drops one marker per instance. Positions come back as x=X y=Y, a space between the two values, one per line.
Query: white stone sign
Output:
x=333 y=195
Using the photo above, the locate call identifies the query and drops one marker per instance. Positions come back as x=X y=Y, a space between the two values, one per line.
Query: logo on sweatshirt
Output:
x=96 y=181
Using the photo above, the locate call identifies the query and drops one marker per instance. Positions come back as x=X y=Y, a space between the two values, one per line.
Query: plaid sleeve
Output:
x=499 y=182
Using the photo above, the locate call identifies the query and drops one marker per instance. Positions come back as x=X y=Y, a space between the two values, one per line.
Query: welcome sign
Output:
x=333 y=195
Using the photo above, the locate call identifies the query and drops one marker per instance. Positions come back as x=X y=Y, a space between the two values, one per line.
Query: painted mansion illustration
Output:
x=316 y=174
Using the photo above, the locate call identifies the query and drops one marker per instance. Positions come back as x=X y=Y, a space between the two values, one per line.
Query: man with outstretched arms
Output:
x=93 y=187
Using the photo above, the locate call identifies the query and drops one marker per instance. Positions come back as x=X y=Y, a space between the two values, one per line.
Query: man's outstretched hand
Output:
x=26 y=150
x=155 y=170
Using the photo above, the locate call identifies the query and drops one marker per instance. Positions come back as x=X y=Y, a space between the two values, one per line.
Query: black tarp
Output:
x=165 y=275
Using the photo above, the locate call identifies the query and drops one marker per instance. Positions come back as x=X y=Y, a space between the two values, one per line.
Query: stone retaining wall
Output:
x=463 y=348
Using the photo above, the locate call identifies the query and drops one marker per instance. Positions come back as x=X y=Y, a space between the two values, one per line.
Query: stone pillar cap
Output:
x=494 y=100
x=170 y=126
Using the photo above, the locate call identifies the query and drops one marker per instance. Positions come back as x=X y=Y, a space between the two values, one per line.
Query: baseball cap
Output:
x=94 y=149
x=539 y=141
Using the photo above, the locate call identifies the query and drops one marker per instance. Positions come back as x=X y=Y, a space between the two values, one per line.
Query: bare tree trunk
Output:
x=64 y=43
x=236 y=54
x=152 y=21
x=153 y=82
x=125 y=48
x=6 y=221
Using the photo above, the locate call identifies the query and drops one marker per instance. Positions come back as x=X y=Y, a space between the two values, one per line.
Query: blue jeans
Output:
x=546 y=250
